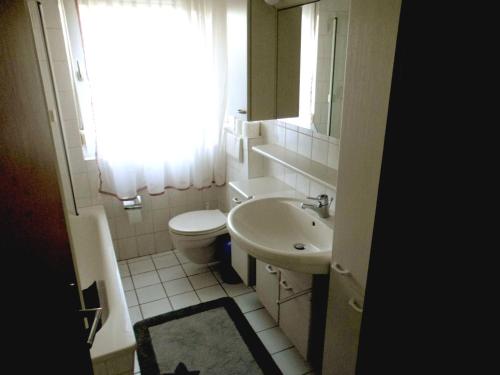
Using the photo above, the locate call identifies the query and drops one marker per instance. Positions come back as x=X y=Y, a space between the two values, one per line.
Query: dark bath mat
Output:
x=211 y=338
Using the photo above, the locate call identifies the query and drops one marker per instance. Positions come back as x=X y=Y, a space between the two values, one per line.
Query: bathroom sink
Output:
x=274 y=230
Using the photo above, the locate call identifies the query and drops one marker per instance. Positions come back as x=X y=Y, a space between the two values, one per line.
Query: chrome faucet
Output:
x=322 y=205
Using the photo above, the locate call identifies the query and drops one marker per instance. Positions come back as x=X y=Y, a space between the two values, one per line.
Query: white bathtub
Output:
x=114 y=345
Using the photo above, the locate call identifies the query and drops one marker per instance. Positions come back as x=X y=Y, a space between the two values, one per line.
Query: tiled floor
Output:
x=168 y=281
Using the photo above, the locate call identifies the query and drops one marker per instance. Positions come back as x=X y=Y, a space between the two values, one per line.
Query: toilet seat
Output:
x=196 y=223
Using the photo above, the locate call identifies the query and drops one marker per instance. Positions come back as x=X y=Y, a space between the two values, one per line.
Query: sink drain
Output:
x=299 y=246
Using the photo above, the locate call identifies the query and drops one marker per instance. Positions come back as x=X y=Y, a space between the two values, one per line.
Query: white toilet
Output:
x=194 y=233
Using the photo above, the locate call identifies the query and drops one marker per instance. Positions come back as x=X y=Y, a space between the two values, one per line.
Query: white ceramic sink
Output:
x=268 y=229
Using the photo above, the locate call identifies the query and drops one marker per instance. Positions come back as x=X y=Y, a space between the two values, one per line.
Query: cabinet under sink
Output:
x=297 y=302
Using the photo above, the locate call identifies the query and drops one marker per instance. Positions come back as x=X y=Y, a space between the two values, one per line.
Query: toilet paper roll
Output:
x=134 y=215
x=251 y=129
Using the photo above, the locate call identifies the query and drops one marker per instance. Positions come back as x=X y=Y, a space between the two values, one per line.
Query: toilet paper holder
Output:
x=133 y=203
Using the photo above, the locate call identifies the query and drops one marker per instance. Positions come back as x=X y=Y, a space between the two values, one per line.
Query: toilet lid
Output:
x=198 y=221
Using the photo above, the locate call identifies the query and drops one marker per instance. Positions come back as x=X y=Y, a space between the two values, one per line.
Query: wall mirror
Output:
x=311 y=55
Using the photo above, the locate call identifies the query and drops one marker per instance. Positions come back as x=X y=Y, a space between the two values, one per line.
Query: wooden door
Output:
x=42 y=330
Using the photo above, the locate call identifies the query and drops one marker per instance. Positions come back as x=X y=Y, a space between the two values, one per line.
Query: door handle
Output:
x=285 y=286
x=270 y=269
x=355 y=306
x=93 y=328
x=338 y=268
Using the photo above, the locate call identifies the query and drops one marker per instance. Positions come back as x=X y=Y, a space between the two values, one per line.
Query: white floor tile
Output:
x=124 y=271
x=194 y=269
x=144 y=279
x=183 y=300
x=131 y=298
x=135 y=314
x=156 y=308
x=150 y=293
x=182 y=258
x=211 y=293
x=178 y=286
x=142 y=266
x=274 y=340
x=216 y=273
x=291 y=362
x=171 y=273
x=127 y=283
x=162 y=253
x=248 y=302
x=165 y=260
x=260 y=320
x=203 y=280
x=139 y=259
x=234 y=290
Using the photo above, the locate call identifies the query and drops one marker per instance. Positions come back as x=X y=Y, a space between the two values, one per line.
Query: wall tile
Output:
x=124 y=229
x=146 y=225
x=163 y=241
x=320 y=150
x=72 y=134
x=209 y=194
x=146 y=244
x=93 y=184
x=128 y=248
x=291 y=178
x=159 y=201
x=316 y=189
x=81 y=185
x=177 y=197
x=76 y=161
x=174 y=211
x=194 y=196
x=83 y=202
x=197 y=206
x=302 y=184
x=160 y=219
x=305 y=145
x=291 y=142
x=146 y=200
x=280 y=136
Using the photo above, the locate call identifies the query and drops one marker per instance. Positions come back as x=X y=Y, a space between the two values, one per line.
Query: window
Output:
x=157 y=81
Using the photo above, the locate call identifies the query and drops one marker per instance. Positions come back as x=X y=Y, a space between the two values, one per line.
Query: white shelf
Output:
x=315 y=171
x=260 y=186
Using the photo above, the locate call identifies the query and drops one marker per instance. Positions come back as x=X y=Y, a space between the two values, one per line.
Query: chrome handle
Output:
x=338 y=268
x=285 y=286
x=270 y=269
x=355 y=306
x=236 y=200
x=322 y=199
x=319 y=197
x=93 y=328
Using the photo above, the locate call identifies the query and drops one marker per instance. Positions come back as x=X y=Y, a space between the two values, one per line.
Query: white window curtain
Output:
x=157 y=71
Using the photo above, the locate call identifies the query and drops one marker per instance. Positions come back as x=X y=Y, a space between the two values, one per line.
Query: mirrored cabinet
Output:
x=296 y=53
